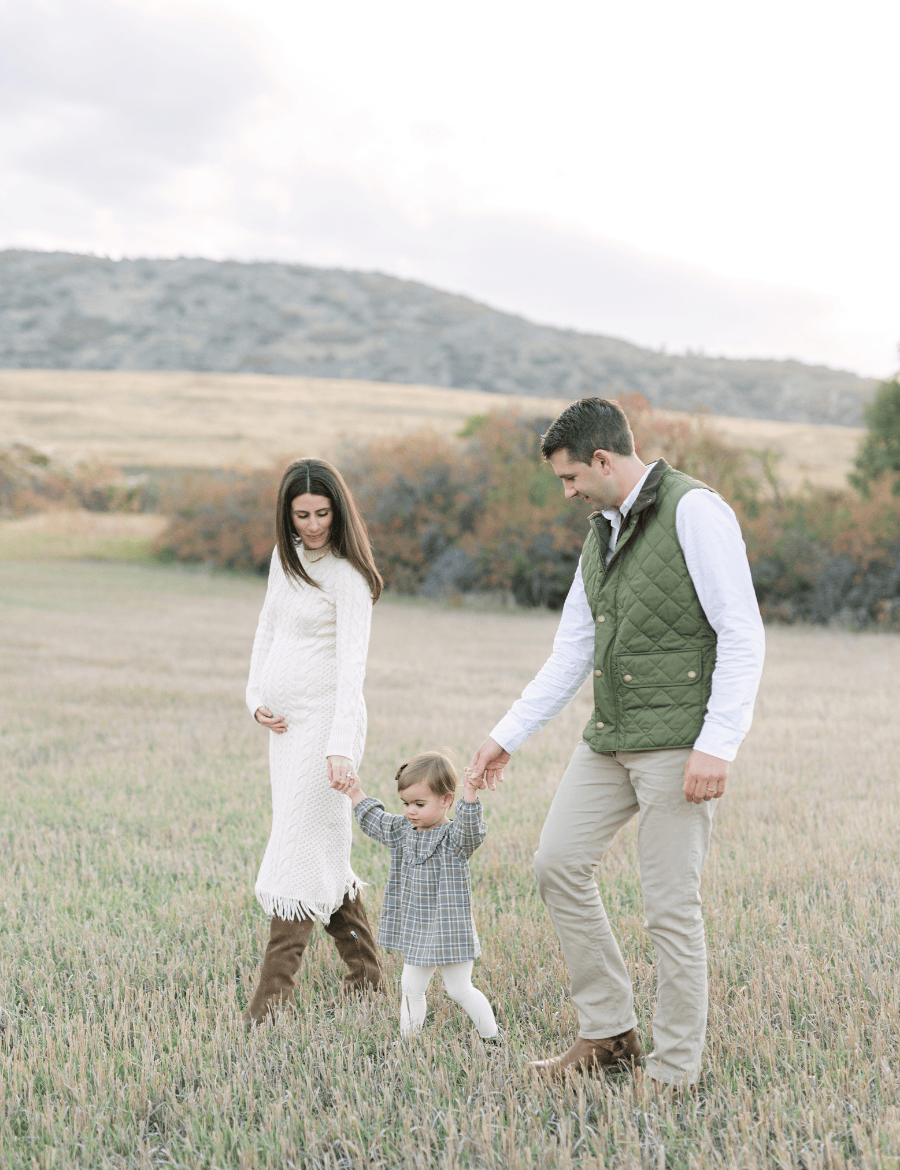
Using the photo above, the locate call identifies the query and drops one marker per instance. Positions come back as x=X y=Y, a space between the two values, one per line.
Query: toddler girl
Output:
x=427 y=911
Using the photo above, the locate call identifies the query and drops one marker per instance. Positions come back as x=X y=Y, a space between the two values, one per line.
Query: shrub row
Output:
x=31 y=480
x=482 y=513
x=825 y=556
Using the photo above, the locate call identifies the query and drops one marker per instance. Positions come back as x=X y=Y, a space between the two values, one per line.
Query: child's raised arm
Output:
x=470 y=789
x=381 y=826
x=468 y=829
x=372 y=819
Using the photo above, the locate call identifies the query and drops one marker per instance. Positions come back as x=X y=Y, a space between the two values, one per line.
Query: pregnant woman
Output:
x=306 y=680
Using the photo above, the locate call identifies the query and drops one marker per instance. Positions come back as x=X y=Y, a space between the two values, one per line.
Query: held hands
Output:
x=704 y=777
x=339 y=768
x=347 y=782
x=470 y=791
x=276 y=723
x=485 y=769
x=341 y=775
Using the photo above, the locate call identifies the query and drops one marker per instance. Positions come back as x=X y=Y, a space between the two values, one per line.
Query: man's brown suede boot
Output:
x=288 y=939
x=352 y=934
x=616 y=1052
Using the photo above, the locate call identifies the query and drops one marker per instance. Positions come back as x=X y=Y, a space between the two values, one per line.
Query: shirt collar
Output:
x=616 y=515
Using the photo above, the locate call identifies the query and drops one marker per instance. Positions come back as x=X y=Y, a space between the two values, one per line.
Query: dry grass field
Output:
x=134 y=815
x=224 y=420
x=228 y=420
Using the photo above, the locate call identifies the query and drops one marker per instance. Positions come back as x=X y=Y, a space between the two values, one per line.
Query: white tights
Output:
x=458 y=982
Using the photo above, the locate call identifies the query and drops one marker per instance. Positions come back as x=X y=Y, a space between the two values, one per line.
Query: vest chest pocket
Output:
x=660 y=668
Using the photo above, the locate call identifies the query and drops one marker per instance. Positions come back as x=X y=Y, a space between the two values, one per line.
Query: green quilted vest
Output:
x=654 y=650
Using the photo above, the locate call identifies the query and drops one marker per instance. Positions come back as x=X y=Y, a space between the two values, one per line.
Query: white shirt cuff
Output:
x=722 y=742
x=509 y=733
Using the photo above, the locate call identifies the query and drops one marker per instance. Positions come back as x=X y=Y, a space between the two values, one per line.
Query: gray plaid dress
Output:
x=427 y=910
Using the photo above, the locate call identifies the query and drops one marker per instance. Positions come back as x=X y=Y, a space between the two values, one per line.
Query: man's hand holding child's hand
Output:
x=486 y=766
x=350 y=786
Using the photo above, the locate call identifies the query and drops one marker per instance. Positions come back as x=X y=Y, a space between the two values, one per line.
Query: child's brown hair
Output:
x=435 y=768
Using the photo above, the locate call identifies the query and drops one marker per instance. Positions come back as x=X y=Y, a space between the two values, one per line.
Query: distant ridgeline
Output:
x=65 y=311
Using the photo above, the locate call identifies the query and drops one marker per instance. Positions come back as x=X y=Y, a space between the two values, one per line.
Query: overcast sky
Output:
x=708 y=175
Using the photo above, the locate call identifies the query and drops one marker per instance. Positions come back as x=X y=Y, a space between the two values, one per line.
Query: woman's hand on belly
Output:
x=276 y=723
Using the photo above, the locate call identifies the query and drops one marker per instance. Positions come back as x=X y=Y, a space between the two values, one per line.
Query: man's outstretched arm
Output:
x=552 y=689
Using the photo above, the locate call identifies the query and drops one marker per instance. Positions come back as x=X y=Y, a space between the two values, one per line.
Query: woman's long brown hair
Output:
x=349 y=537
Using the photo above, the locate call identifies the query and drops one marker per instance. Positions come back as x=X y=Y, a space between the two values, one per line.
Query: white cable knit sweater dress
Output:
x=308 y=664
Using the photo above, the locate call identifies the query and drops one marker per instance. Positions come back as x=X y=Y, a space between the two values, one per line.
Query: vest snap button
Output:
x=628 y=678
x=601 y=726
x=601 y=618
x=598 y=673
x=692 y=674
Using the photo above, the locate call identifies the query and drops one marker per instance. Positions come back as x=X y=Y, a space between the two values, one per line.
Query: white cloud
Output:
x=105 y=100
x=682 y=175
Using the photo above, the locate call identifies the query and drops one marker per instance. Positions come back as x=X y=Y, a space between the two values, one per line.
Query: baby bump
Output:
x=297 y=692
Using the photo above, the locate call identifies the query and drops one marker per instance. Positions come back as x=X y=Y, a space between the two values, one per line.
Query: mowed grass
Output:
x=135 y=811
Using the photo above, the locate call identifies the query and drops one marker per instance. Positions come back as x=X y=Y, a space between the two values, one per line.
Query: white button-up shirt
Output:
x=716 y=558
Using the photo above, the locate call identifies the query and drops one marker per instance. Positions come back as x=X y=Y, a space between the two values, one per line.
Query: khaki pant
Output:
x=597 y=796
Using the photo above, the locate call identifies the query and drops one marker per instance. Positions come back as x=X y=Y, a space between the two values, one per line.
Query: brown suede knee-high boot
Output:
x=352 y=934
x=288 y=939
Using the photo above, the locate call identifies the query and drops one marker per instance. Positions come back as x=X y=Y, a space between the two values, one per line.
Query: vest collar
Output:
x=648 y=493
x=646 y=496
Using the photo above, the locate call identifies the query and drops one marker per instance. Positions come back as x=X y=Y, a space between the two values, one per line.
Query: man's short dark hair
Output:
x=589 y=425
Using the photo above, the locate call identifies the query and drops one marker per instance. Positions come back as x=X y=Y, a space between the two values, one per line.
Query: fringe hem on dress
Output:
x=278 y=906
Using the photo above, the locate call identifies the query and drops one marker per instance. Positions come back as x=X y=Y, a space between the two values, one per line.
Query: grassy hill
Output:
x=65 y=311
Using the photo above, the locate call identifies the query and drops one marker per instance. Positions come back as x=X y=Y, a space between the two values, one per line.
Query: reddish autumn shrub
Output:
x=693 y=447
x=222 y=520
x=420 y=495
x=31 y=480
x=818 y=556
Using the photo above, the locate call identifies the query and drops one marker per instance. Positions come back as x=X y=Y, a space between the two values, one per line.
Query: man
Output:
x=662 y=613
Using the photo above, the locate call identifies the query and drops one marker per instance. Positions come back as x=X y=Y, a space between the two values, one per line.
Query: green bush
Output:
x=879 y=452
